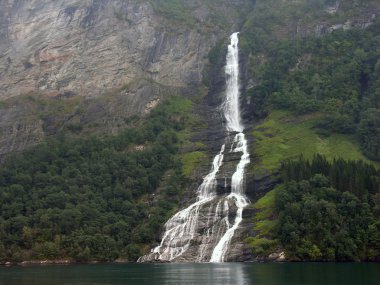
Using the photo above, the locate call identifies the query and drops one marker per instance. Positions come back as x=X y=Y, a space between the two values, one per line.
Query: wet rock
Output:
x=277 y=256
x=223 y=185
x=259 y=185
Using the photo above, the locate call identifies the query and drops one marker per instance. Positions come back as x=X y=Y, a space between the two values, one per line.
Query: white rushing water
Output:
x=240 y=144
x=231 y=106
x=182 y=229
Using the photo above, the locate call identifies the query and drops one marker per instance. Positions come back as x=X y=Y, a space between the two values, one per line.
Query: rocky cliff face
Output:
x=131 y=48
x=87 y=47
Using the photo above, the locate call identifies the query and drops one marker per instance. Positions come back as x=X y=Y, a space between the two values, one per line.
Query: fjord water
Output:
x=195 y=273
x=184 y=227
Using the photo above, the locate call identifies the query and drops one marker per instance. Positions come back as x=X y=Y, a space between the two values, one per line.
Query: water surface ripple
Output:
x=195 y=273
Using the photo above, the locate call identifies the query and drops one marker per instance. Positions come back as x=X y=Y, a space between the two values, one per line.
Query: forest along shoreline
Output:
x=59 y=262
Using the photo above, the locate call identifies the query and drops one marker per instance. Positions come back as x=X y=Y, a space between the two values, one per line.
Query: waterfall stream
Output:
x=204 y=226
x=232 y=114
x=181 y=228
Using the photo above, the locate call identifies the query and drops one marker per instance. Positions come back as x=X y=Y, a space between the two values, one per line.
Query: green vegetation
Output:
x=265 y=205
x=336 y=74
x=174 y=10
x=356 y=177
x=315 y=95
x=54 y=112
x=329 y=210
x=217 y=53
x=100 y=198
x=264 y=243
x=324 y=211
x=93 y=198
x=274 y=20
x=191 y=160
x=283 y=136
x=205 y=16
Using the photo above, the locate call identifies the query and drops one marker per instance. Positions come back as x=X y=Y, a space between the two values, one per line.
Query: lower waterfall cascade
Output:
x=203 y=232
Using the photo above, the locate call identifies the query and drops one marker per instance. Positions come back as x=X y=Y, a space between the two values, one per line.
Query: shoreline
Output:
x=73 y=262
x=39 y=262
x=58 y=262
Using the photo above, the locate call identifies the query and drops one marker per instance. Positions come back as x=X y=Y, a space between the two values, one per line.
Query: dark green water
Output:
x=227 y=273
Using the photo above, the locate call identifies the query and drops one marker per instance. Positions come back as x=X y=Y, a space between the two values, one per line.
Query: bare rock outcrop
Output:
x=91 y=48
x=88 y=47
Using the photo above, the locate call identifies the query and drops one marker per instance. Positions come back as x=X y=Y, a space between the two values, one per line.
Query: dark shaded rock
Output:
x=248 y=213
x=223 y=185
x=258 y=186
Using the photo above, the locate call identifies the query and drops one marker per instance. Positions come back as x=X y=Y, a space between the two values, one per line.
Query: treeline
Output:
x=329 y=211
x=337 y=74
x=357 y=177
x=91 y=198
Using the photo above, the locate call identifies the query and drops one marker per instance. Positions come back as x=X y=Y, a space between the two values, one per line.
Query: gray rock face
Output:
x=87 y=47
x=18 y=130
x=90 y=48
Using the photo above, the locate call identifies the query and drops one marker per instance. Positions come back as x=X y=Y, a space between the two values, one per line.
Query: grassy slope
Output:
x=284 y=136
x=193 y=153
x=264 y=224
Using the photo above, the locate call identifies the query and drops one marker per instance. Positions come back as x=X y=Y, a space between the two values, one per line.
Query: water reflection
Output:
x=223 y=273
x=205 y=273
x=313 y=274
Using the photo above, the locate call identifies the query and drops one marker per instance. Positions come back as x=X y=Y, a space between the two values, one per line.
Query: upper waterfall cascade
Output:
x=232 y=114
x=203 y=231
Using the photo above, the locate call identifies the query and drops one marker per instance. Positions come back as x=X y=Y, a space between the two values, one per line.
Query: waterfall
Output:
x=231 y=106
x=187 y=228
x=237 y=195
x=181 y=228
x=232 y=113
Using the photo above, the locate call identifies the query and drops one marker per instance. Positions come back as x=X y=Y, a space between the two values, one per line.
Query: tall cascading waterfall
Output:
x=202 y=232
x=232 y=113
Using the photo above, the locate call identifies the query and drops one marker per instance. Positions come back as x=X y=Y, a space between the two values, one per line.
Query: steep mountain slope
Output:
x=85 y=68
x=89 y=47
x=72 y=69
x=136 y=50
x=312 y=76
